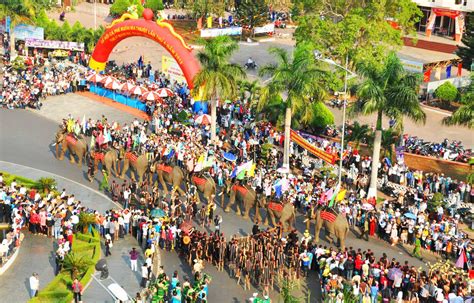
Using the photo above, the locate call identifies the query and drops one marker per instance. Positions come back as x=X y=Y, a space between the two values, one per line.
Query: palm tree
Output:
x=388 y=91
x=86 y=221
x=76 y=264
x=464 y=115
x=217 y=77
x=294 y=85
x=358 y=133
x=46 y=184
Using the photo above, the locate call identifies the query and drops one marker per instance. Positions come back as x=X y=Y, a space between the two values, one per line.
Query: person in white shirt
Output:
x=34 y=285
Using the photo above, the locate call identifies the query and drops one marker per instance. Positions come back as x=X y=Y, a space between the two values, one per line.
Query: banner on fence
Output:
x=268 y=28
x=23 y=31
x=327 y=157
x=226 y=31
x=54 y=44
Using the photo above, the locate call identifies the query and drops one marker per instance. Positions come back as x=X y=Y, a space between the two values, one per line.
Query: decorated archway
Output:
x=160 y=31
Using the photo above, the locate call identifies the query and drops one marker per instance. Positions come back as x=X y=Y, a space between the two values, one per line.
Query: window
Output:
x=458 y=2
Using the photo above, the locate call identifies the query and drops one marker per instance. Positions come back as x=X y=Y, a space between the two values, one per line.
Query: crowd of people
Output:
x=28 y=87
x=268 y=254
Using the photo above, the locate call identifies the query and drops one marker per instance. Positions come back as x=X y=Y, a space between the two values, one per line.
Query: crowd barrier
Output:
x=117 y=97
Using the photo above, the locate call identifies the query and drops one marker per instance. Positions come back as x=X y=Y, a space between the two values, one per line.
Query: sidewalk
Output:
x=43 y=251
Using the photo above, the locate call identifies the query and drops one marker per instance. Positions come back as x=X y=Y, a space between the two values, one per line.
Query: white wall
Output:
x=458 y=82
x=465 y=5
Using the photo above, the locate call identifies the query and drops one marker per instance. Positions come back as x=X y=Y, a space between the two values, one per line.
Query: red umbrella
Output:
x=94 y=78
x=138 y=90
x=153 y=86
x=152 y=96
x=107 y=79
x=127 y=86
x=203 y=119
x=113 y=85
x=165 y=92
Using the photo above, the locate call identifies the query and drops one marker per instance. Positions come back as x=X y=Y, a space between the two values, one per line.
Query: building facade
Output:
x=444 y=18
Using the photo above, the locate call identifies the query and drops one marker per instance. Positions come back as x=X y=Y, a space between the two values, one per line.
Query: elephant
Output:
x=339 y=228
x=205 y=185
x=75 y=146
x=139 y=164
x=244 y=195
x=108 y=159
x=285 y=213
x=173 y=175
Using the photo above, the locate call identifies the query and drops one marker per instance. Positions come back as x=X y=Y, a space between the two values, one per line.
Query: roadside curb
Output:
x=132 y=111
x=438 y=110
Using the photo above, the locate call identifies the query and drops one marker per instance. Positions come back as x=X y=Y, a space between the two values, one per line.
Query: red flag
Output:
x=427 y=75
x=459 y=69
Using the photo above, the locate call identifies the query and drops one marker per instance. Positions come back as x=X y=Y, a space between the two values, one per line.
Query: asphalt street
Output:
x=25 y=139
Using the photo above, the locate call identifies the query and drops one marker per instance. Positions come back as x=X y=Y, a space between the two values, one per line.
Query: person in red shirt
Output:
x=358 y=265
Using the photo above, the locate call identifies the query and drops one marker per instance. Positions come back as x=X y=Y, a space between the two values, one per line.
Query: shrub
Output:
x=447 y=92
x=154 y=5
x=119 y=7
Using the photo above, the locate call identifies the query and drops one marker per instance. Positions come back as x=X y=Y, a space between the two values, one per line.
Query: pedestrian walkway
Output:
x=58 y=107
x=42 y=248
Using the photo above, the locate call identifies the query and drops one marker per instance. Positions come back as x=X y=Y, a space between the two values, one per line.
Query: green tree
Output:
x=46 y=184
x=119 y=7
x=464 y=115
x=358 y=132
x=138 y=4
x=447 y=92
x=64 y=34
x=252 y=13
x=154 y=5
x=249 y=91
x=389 y=91
x=466 y=51
x=76 y=264
x=339 y=27
x=293 y=85
x=322 y=117
x=217 y=77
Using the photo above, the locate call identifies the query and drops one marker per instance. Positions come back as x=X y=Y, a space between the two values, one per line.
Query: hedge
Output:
x=59 y=290
x=8 y=178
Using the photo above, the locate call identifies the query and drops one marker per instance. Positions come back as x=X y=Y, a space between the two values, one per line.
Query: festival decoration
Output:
x=327 y=157
x=129 y=25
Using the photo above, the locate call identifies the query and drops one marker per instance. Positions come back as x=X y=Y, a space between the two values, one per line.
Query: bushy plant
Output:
x=154 y=5
x=45 y=185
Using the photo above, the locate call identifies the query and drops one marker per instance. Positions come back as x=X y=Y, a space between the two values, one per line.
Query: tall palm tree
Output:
x=464 y=115
x=217 y=77
x=295 y=84
x=388 y=91
x=358 y=133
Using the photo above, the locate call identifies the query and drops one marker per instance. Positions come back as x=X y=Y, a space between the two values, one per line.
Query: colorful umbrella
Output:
x=367 y=206
x=152 y=96
x=394 y=272
x=203 y=119
x=113 y=85
x=127 y=86
x=94 y=78
x=138 y=90
x=165 y=92
x=229 y=157
x=410 y=216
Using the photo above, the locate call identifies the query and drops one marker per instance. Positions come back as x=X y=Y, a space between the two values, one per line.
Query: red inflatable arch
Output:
x=159 y=31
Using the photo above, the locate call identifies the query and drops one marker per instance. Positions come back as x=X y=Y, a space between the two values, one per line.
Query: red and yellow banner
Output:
x=329 y=158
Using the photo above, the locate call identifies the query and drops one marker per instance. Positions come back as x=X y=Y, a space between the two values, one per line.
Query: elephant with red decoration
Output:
x=245 y=196
x=77 y=147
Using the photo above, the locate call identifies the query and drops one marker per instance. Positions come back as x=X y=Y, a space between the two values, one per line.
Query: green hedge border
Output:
x=59 y=290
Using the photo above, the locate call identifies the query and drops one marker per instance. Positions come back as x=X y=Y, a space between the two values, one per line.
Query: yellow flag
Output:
x=201 y=159
x=340 y=196
x=251 y=171
x=209 y=22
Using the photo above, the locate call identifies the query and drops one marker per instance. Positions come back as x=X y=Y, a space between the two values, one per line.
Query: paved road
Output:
x=22 y=132
x=432 y=131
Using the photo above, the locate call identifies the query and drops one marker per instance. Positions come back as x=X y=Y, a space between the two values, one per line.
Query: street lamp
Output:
x=319 y=56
